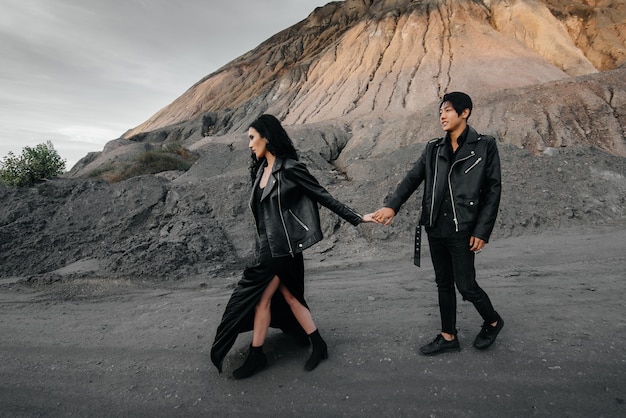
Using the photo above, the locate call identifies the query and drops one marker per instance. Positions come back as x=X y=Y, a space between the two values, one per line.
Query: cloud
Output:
x=82 y=72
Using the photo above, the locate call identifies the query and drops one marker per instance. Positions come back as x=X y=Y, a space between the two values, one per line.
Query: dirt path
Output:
x=120 y=349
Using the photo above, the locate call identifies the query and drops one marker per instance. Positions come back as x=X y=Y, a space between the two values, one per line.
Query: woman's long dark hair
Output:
x=278 y=142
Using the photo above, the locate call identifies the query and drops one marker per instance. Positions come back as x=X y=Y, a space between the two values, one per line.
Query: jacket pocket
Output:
x=299 y=221
x=467 y=210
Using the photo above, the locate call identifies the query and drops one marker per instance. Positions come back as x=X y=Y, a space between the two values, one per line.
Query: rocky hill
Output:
x=358 y=84
x=356 y=57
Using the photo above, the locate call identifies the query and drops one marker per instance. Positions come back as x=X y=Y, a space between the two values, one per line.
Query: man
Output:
x=461 y=175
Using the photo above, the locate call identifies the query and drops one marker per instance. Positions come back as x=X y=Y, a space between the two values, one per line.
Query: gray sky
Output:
x=81 y=72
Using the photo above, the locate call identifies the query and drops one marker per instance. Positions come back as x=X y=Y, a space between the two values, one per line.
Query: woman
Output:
x=271 y=293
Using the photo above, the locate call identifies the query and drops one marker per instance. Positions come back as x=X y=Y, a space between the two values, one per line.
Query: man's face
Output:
x=450 y=120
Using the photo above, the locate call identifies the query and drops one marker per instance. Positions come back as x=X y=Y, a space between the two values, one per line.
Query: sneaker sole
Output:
x=442 y=351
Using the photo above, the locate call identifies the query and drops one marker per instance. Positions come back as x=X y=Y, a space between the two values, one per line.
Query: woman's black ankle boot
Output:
x=320 y=351
x=255 y=362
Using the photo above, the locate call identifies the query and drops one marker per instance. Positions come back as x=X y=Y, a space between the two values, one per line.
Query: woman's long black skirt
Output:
x=239 y=313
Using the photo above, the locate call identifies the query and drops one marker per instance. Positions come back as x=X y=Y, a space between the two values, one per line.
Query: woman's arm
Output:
x=299 y=174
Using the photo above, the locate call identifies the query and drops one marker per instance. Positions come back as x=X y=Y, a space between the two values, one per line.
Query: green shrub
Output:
x=35 y=164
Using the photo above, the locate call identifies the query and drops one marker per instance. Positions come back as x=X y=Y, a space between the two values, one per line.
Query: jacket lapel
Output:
x=272 y=181
x=271 y=184
x=441 y=167
x=472 y=137
x=259 y=173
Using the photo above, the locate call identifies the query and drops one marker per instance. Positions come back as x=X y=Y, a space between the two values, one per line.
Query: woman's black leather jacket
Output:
x=473 y=178
x=291 y=215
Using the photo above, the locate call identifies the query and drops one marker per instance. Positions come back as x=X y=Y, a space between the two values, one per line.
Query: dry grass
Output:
x=172 y=157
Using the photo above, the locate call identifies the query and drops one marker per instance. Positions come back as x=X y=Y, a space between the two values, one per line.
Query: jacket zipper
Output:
x=474 y=165
x=302 y=224
x=256 y=229
x=282 y=219
x=456 y=221
x=432 y=198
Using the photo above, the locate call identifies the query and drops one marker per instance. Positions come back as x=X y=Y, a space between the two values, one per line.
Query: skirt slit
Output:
x=239 y=313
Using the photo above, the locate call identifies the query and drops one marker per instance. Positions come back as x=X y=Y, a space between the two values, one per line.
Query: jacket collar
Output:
x=472 y=136
x=271 y=182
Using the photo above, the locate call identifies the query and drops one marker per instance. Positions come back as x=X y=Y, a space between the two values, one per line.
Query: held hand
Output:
x=369 y=218
x=476 y=244
x=384 y=215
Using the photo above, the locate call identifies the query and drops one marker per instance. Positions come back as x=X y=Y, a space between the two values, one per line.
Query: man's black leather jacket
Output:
x=473 y=178
x=289 y=200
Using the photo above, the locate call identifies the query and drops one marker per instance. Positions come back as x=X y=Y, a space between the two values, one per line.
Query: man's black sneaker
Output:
x=440 y=345
x=488 y=334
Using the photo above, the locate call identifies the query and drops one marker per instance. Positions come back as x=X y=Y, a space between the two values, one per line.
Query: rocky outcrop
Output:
x=598 y=28
x=356 y=57
x=137 y=228
x=533 y=24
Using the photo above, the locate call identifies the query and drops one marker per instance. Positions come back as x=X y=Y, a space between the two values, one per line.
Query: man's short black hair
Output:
x=459 y=101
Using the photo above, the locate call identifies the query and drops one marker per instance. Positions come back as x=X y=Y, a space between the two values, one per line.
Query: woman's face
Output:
x=257 y=143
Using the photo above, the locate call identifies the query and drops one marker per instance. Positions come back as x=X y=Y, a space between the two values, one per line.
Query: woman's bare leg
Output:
x=302 y=314
x=262 y=313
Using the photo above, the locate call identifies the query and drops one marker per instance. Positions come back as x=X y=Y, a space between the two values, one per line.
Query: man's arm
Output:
x=492 y=188
x=405 y=189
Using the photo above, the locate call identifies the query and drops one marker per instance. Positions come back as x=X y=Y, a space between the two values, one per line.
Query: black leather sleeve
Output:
x=408 y=185
x=300 y=175
x=491 y=191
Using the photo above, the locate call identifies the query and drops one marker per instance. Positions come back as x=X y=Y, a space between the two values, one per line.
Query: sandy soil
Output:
x=118 y=348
